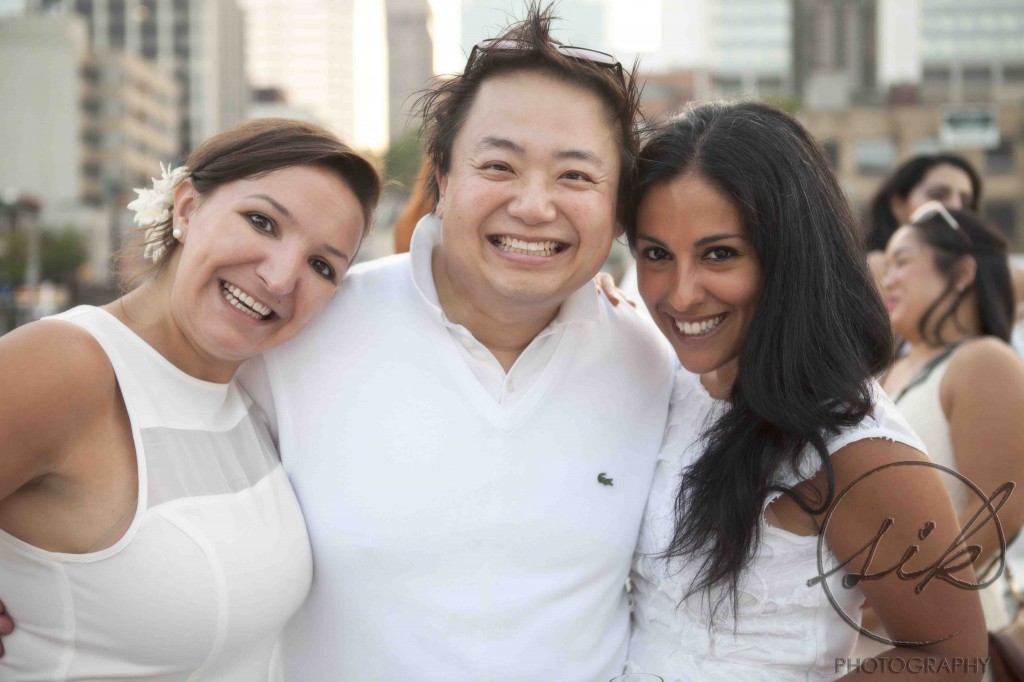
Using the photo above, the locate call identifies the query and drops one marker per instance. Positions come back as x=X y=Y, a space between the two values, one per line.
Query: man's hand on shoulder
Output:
x=606 y=285
x=6 y=626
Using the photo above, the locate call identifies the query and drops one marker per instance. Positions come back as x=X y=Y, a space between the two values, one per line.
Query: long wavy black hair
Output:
x=901 y=183
x=992 y=282
x=818 y=337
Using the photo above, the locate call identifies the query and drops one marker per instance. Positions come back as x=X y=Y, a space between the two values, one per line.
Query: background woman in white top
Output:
x=960 y=385
x=749 y=264
x=147 y=530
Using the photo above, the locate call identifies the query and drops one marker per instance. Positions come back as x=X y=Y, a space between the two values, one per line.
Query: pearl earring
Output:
x=176 y=233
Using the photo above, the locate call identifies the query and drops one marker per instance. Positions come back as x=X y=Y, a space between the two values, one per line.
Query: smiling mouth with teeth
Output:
x=699 y=328
x=524 y=248
x=244 y=302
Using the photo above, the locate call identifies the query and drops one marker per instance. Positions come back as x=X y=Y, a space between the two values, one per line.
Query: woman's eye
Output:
x=720 y=253
x=260 y=222
x=322 y=268
x=498 y=166
x=654 y=253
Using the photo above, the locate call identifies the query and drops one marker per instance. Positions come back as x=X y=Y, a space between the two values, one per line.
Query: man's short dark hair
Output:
x=445 y=106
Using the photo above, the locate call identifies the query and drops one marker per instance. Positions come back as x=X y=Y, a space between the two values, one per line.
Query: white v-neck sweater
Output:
x=455 y=538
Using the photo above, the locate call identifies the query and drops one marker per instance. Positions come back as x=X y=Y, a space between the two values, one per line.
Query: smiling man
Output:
x=470 y=429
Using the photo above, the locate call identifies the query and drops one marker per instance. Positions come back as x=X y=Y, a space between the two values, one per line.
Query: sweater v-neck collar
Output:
x=581 y=308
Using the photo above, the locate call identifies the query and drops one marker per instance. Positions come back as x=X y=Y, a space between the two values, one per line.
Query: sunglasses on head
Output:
x=582 y=54
x=931 y=209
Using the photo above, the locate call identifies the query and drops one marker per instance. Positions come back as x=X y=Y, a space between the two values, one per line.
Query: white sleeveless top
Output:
x=921 y=406
x=214 y=563
x=785 y=629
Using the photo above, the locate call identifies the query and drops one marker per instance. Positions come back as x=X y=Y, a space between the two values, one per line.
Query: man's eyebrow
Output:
x=273 y=202
x=580 y=155
x=501 y=143
x=491 y=142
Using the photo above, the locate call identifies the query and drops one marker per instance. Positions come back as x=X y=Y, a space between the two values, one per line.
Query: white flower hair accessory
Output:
x=153 y=210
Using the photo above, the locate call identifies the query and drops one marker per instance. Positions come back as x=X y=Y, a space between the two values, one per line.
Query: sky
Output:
x=634 y=26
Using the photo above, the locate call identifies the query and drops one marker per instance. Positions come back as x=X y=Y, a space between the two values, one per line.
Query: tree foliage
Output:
x=402 y=162
x=60 y=255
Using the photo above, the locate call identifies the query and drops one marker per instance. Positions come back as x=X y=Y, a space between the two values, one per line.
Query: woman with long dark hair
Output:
x=946 y=178
x=959 y=384
x=749 y=263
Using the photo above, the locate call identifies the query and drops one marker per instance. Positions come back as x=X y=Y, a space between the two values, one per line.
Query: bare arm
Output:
x=914 y=497
x=983 y=398
x=54 y=375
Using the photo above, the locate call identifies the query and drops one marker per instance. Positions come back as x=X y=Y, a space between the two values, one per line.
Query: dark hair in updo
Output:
x=992 y=282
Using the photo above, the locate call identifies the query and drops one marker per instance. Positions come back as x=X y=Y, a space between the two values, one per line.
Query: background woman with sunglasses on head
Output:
x=959 y=385
x=946 y=178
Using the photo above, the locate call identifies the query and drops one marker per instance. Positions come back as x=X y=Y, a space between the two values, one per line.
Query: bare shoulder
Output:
x=985 y=354
x=984 y=366
x=878 y=479
x=864 y=457
x=57 y=379
x=54 y=353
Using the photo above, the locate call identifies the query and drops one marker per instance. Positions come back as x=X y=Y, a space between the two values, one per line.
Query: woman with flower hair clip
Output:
x=147 y=530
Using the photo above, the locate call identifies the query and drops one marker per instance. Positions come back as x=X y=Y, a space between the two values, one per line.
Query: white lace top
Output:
x=785 y=629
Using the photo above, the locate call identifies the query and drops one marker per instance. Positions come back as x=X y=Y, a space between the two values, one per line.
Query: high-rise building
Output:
x=199 y=42
x=834 y=52
x=326 y=56
x=750 y=51
x=79 y=129
x=972 y=51
x=733 y=47
x=410 y=60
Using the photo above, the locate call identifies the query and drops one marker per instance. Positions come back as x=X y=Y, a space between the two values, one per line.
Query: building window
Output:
x=1000 y=158
x=936 y=75
x=874 y=156
x=977 y=76
x=116 y=11
x=1013 y=74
